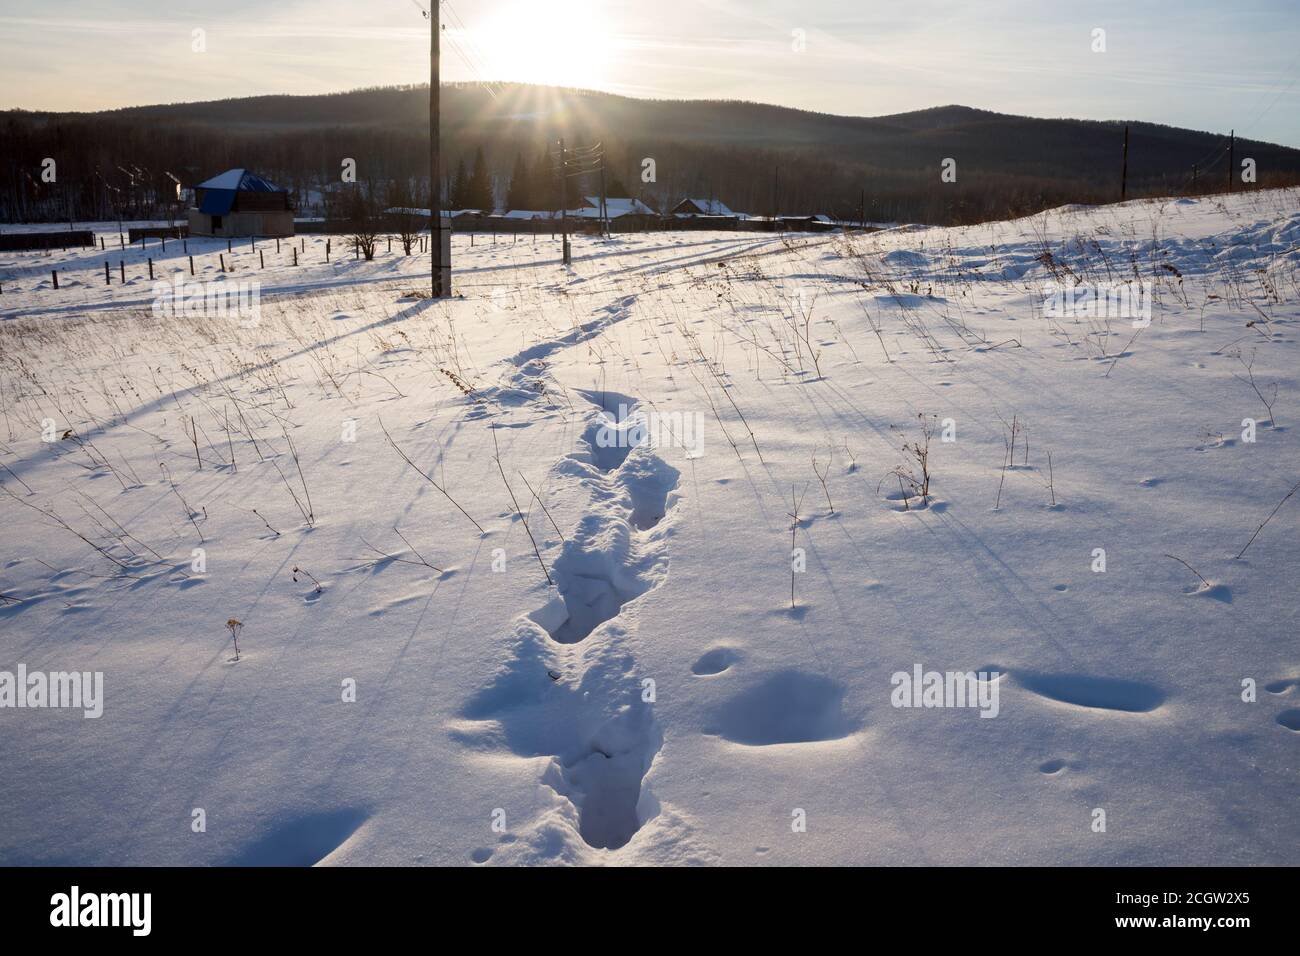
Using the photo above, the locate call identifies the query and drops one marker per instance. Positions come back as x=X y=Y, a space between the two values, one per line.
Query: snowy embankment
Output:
x=485 y=620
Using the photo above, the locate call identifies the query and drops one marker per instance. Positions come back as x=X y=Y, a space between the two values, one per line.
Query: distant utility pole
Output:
x=564 y=204
x=1123 y=175
x=604 y=206
x=776 y=195
x=441 y=254
x=1232 y=148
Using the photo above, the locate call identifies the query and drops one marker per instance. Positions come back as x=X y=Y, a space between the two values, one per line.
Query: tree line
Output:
x=127 y=163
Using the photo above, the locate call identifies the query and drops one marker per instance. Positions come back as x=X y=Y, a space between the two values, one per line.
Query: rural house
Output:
x=239 y=203
x=702 y=207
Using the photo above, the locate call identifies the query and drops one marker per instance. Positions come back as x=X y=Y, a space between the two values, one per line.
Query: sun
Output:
x=552 y=43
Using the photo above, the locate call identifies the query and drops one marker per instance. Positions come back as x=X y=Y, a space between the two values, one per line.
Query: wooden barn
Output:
x=240 y=203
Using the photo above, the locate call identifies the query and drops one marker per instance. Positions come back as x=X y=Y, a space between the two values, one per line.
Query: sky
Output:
x=1205 y=65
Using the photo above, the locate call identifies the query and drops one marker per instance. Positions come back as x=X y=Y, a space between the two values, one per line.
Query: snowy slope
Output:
x=488 y=697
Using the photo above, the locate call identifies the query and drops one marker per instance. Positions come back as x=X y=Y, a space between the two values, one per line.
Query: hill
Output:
x=749 y=155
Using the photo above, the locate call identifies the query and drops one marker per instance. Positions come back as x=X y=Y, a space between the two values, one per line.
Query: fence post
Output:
x=261 y=256
x=150 y=269
x=222 y=257
x=1232 y=148
x=1123 y=175
x=121 y=264
x=55 y=273
x=229 y=247
x=191 y=265
x=108 y=278
x=295 y=255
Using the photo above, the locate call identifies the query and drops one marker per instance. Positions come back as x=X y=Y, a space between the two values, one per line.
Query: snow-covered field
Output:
x=378 y=487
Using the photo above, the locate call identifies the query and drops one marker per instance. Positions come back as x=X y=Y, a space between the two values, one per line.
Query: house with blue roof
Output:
x=240 y=203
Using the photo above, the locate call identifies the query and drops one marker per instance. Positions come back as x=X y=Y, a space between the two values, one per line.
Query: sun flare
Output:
x=556 y=43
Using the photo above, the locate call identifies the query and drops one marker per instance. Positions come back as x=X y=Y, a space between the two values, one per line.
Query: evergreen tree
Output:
x=542 y=182
x=519 y=195
x=479 y=192
x=459 y=188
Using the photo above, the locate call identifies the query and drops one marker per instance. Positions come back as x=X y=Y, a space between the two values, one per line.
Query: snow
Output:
x=230 y=179
x=501 y=720
x=452 y=213
x=239 y=180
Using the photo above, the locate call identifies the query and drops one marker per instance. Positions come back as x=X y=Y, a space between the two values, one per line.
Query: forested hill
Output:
x=748 y=155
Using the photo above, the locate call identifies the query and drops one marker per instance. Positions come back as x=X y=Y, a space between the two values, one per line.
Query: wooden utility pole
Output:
x=1232 y=161
x=440 y=255
x=604 y=207
x=564 y=203
x=1123 y=175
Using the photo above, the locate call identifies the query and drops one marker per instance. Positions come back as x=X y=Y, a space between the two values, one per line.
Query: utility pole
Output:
x=439 y=239
x=1123 y=176
x=604 y=207
x=564 y=203
x=776 y=196
x=1232 y=147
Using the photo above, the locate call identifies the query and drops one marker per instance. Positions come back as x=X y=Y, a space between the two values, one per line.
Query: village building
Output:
x=240 y=204
x=703 y=207
x=614 y=208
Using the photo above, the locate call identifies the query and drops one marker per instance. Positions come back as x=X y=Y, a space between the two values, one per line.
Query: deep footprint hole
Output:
x=790 y=707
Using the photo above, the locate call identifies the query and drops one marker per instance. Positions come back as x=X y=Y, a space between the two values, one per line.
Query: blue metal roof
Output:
x=219 y=191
